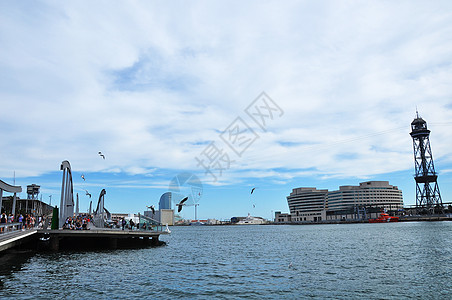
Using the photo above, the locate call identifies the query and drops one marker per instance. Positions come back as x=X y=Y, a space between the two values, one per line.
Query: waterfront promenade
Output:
x=79 y=239
x=15 y=238
x=100 y=238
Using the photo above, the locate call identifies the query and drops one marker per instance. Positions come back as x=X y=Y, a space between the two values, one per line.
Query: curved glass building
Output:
x=165 y=201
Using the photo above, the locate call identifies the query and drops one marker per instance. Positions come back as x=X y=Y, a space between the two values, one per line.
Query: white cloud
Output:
x=150 y=84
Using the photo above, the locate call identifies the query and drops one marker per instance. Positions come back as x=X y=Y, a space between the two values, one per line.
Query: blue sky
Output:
x=152 y=85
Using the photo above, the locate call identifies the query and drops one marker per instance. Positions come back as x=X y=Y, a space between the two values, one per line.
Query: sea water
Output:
x=346 y=261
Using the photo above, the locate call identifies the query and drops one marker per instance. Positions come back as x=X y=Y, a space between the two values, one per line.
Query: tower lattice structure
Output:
x=427 y=189
x=33 y=192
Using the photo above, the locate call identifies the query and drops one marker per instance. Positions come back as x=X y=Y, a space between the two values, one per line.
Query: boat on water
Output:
x=250 y=220
x=384 y=218
x=197 y=223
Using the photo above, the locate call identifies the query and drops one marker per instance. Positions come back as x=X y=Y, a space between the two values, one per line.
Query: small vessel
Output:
x=249 y=220
x=384 y=218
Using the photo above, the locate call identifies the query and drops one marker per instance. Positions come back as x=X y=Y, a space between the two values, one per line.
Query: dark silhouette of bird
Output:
x=152 y=208
x=87 y=193
x=103 y=156
x=254 y=206
x=252 y=190
x=83 y=177
x=181 y=203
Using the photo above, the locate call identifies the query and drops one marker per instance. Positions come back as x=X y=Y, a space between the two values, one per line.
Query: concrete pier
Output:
x=16 y=238
x=101 y=238
x=55 y=240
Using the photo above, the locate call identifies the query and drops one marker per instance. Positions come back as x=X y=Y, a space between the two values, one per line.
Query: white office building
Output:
x=307 y=204
x=348 y=203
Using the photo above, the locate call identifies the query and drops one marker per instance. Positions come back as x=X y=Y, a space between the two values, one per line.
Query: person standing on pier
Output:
x=123 y=223
x=21 y=220
x=3 y=221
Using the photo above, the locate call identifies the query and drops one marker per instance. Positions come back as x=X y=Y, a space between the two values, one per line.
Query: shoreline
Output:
x=401 y=220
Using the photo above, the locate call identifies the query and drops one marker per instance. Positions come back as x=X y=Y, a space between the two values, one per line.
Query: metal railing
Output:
x=149 y=224
x=8 y=227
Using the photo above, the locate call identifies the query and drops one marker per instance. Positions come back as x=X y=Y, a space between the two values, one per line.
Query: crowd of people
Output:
x=25 y=222
x=124 y=224
x=79 y=222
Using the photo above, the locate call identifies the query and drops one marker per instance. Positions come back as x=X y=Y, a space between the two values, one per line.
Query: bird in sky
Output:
x=252 y=190
x=103 y=156
x=181 y=203
x=254 y=206
x=87 y=193
x=83 y=177
x=152 y=208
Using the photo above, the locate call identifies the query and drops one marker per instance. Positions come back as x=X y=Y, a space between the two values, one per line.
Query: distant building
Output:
x=166 y=216
x=250 y=220
x=117 y=217
x=372 y=196
x=307 y=204
x=236 y=219
x=26 y=206
x=213 y=222
x=163 y=215
x=165 y=201
x=149 y=214
x=348 y=203
x=282 y=217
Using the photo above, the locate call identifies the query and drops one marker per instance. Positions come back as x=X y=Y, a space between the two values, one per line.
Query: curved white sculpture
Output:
x=67 y=193
x=10 y=189
x=99 y=213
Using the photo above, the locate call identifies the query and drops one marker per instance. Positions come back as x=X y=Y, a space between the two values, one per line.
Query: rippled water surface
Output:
x=376 y=261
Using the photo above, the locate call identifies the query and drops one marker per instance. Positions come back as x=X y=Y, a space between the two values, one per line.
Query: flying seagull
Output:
x=181 y=203
x=103 y=156
x=152 y=208
x=252 y=190
x=83 y=177
x=87 y=193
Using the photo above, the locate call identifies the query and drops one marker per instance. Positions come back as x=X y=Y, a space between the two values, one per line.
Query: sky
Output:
x=231 y=94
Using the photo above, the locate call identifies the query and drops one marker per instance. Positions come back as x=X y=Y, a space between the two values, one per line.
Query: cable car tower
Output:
x=427 y=189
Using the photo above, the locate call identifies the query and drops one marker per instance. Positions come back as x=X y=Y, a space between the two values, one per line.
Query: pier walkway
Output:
x=15 y=238
x=12 y=235
x=102 y=237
